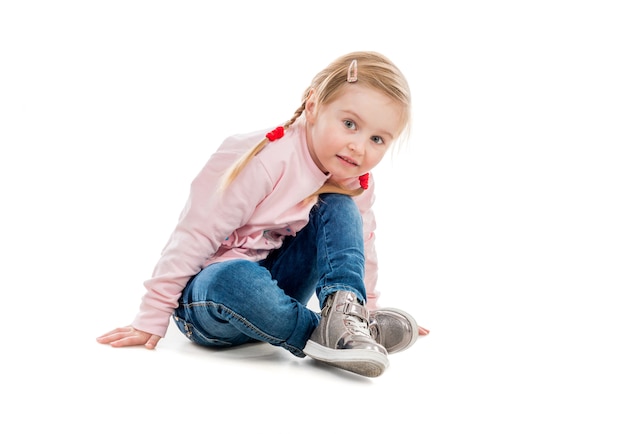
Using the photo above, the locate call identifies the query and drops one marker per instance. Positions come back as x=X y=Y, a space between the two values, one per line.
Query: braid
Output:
x=296 y=115
x=236 y=168
x=333 y=187
x=374 y=71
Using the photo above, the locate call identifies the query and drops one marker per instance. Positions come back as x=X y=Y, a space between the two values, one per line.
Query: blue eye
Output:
x=378 y=140
x=349 y=124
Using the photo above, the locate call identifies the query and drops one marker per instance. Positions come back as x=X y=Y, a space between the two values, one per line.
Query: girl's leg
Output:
x=327 y=256
x=234 y=302
x=238 y=301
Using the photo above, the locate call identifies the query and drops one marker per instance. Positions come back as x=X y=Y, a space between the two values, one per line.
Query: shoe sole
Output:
x=363 y=362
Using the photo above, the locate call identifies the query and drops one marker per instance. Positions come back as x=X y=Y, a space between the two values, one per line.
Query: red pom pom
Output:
x=364 y=181
x=275 y=134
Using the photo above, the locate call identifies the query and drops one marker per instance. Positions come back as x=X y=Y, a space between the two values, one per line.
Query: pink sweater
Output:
x=262 y=206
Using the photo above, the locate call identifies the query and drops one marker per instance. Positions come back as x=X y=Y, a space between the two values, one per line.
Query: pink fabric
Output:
x=246 y=221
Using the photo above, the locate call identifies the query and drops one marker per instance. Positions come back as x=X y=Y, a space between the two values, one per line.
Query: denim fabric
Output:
x=238 y=301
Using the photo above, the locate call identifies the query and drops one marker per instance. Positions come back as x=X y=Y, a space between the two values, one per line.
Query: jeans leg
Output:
x=235 y=302
x=326 y=256
x=238 y=301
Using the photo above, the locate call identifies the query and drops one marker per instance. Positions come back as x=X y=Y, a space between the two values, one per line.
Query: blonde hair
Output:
x=374 y=71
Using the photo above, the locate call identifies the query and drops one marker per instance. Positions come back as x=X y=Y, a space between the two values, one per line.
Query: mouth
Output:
x=348 y=160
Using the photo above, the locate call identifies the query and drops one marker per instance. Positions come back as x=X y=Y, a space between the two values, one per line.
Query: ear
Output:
x=310 y=107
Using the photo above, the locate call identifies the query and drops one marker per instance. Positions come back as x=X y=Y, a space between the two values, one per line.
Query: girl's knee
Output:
x=223 y=277
x=339 y=204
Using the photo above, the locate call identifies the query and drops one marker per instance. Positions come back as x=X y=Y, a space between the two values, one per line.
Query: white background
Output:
x=501 y=224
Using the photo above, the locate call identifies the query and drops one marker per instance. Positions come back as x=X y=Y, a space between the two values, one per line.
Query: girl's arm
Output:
x=209 y=216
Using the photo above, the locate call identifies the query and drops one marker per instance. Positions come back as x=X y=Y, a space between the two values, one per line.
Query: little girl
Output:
x=275 y=217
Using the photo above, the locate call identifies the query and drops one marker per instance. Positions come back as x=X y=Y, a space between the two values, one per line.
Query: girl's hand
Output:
x=422 y=331
x=127 y=336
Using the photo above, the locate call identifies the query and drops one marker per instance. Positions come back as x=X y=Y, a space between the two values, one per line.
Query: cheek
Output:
x=327 y=141
x=375 y=155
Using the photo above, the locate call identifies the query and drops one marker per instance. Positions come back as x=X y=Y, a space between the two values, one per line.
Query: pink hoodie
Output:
x=262 y=206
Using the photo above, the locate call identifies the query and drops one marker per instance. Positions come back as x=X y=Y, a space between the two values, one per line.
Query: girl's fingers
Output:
x=127 y=336
x=152 y=342
x=116 y=331
x=122 y=336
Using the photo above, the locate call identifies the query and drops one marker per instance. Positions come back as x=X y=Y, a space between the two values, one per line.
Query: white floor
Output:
x=501 y=227
x=542 y=366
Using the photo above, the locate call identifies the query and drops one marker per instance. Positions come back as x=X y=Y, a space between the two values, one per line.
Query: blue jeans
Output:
x=239 y=301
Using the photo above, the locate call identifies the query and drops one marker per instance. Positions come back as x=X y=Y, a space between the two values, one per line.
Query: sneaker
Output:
x=343 y=338
x=394 y=329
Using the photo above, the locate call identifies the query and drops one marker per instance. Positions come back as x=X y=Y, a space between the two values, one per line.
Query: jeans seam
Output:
x=247 y=324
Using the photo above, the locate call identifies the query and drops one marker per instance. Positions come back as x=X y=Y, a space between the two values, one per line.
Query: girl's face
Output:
x=350 y=136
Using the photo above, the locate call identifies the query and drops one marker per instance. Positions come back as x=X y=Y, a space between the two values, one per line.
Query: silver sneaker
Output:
x=392 y=328
x=343 y=338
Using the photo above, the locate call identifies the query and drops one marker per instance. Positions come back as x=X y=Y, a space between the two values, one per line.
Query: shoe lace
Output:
x=357 y=326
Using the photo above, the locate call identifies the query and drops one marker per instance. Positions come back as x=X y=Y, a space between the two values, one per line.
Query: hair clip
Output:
x=276 y=133
x=364 y=181
x=352 y=72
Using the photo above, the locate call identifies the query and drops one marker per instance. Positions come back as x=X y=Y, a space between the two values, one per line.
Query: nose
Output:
x=357 y=145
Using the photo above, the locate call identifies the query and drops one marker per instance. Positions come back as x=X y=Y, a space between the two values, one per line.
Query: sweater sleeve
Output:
x=209 y=216
x=365 y=202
